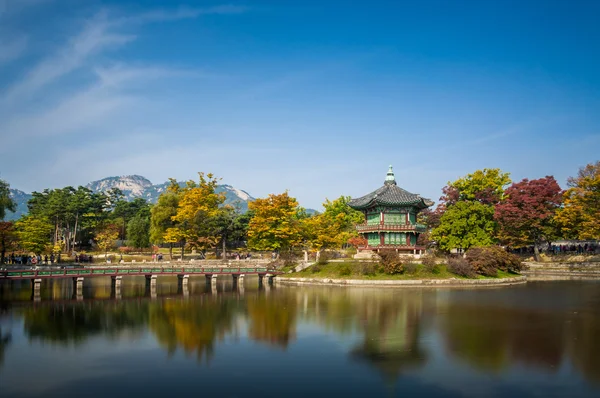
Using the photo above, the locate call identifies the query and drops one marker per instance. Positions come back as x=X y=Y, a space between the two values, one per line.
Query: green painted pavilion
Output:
x=391 y=218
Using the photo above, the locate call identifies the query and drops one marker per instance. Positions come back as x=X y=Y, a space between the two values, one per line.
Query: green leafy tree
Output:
x=125 y=211
x=138 y=232
x=34 y=233
x=161 y=220
x=485 y=186
x=6 y=202
x=465 y=224
x=74 y=213
x=467 y=210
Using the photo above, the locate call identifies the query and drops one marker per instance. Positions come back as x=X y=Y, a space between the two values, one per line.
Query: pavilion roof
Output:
x=390 y=194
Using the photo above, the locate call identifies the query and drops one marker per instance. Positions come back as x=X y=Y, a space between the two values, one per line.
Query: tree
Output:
x=161 y=219
x=106 y=237
x=34 y=233
x=125 y=211
x=6 y=202
x=580 y=216
x=431 y=219
x=138 y=232
x=334 y=227
x=468 y=209
x=526 y=215
x=465 y=224
x=485 y=186
x=275 y=225
x=8 y=238
x=73 y=212
x=198 y=206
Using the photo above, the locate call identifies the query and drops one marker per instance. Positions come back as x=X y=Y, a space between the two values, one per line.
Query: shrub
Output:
x=125 y=249
x=488 y=260
x=316 y=268
x=344 y=270
x=391 y=262
x=460 y=266
x=411 y=267
x=430 y=264
x=368 y=268
x=324 y=258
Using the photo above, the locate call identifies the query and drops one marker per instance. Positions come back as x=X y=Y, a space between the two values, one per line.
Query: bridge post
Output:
x=78 y=285
x=151 y=280
x=183 y=279
x=36 y=285
x=211 y=279
x=237 y=279
x=240 y=284
x=115 y=281
x=115 y=286
x=182 y=284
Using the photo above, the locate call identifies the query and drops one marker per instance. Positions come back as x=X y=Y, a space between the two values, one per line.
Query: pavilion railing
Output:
x=391 y=227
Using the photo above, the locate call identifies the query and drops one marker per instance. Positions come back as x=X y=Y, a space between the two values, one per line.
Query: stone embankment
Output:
x=403 y=283
x=583 y=270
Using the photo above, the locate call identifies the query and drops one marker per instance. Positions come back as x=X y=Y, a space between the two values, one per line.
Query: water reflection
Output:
x=193 y=326
x=545 y=328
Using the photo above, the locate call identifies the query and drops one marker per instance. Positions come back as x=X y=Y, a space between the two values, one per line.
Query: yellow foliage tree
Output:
x=106 y=237
x=580 y=216
x=275 y=224
x=332 y=228
x=197 y=210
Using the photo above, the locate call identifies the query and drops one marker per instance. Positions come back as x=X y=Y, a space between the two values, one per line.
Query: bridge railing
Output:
x=89 y=272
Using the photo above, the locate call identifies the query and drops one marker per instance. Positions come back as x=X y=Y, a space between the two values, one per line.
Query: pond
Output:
x=539 y=339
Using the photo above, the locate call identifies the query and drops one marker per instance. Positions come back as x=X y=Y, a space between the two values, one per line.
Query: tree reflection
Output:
x=272 y=320
x=190 y=326
x=495 y=338
x=5 y=339
x=391 y=335
x=75 y=323
x=389 y=321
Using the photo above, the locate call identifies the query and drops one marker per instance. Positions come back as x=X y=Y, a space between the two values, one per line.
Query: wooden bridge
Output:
x=265 y=276
x=131 y=271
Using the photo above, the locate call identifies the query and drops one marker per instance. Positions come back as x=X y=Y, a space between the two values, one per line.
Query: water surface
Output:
x=539 y=339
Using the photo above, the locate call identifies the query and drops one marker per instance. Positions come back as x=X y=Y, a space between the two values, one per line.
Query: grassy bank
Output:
x=370 y=271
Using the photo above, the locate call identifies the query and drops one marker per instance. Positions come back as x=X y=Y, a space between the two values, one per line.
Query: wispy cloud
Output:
x=95 y=37
x=181 y=13
x=80 y=104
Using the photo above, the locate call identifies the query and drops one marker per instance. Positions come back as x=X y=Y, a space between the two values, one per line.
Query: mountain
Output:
x=135 y=186
x=21 y=198
x=132 y=186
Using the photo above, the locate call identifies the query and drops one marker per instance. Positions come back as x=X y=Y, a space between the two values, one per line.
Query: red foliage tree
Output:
x=358 y=241
x=7 y=238
x=525 y=216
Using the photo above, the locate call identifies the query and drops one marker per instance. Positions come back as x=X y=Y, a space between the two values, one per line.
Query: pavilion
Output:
x=391 y=218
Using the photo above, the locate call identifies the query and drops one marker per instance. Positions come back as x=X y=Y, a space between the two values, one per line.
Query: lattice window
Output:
x=373 y=218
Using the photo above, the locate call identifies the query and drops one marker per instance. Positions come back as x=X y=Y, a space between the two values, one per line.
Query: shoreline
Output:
x=402 y=283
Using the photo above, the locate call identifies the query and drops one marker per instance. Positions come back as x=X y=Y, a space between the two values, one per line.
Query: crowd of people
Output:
x=566 y=249
x=24 y=259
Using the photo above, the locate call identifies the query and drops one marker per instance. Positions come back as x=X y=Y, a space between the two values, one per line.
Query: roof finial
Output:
x=389 y=178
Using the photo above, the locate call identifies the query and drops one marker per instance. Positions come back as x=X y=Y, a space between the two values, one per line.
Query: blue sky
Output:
x=316 y=97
